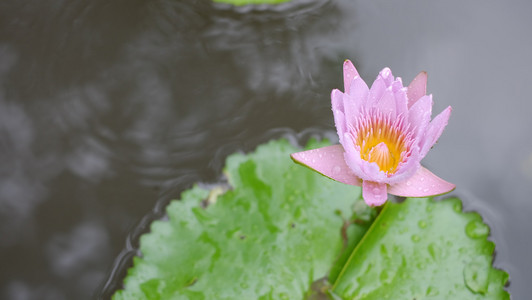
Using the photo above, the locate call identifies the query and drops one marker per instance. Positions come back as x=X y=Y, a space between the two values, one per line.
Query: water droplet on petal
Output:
x=336 y=170
x=409 y=183
x=385 y=73
x=422 y=179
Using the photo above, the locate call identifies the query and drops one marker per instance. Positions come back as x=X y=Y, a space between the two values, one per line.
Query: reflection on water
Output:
x=109 y=110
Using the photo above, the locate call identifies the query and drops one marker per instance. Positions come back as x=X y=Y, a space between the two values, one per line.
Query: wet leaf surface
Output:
x=271 y=236
x=422 y=249
x=280 y=231
x=246 y=2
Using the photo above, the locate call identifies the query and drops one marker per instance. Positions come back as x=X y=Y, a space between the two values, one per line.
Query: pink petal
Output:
x=401 y=99
x=419 y=115
x=387 y=103
x=328 y=161
x=422 y=184
x=374 y=193
x=355 y=99
x=434 y=131
x=406 y=169
x=349 y=73
x=352 y=156
x=375 y=92
x=339 y=122
x=417 y=88
x=387 y=76
x=337 y=99
x=361 y=168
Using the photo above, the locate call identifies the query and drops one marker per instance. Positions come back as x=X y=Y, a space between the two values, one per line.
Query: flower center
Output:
x=382 y=141
x=381 y=155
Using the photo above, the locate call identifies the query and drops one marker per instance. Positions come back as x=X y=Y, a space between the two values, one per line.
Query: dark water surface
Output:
x=109 y=109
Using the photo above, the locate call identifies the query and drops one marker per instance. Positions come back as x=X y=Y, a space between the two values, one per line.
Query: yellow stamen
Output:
x=382 y=143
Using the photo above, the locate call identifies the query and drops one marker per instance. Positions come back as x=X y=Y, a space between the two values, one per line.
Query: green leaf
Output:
x=281 y=231
x=274 y=234
x=422 y=249
x=246 y=2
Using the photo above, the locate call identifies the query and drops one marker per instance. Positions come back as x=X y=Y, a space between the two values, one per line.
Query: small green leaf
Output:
x=273 y=235
x=246 y=2
x=423 y=249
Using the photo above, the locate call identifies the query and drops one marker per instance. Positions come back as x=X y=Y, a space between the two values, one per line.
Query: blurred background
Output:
x=108 y=110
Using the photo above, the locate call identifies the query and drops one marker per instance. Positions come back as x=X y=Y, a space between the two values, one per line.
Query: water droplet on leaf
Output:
x=432 y=291
x=476 y=274
x=422 y=224
x=477 y=229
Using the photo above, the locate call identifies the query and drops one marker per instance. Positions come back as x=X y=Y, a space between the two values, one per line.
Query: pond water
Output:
x=108 y=110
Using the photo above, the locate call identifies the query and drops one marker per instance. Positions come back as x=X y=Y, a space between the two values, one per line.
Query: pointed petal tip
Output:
x=422 y=184
x=292 y=156
x=350 y=67
x=328 y=161
x=386 y=72
x=423 y=75
x=350 y=72
x=417 y=88
x=336 y=92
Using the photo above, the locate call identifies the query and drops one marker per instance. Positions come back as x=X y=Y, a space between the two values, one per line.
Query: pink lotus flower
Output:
x=384 y=133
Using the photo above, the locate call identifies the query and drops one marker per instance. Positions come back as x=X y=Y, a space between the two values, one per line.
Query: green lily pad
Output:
x=246 y=2
x=273 y=234
x=422 y=249
x=281 y=231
